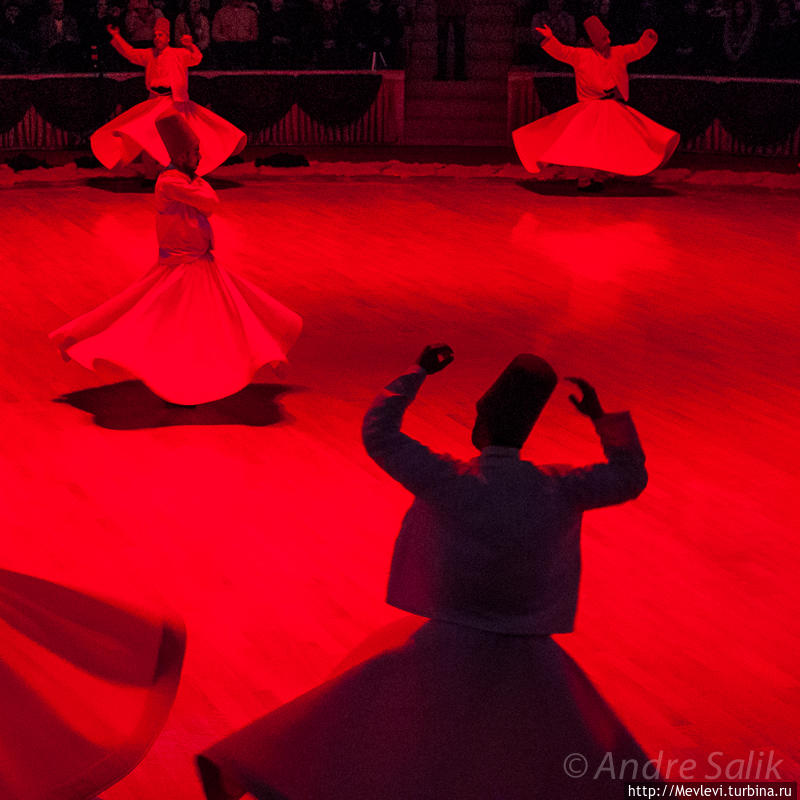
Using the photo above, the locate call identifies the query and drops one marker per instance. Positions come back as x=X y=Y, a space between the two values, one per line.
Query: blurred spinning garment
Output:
x=85 y=687
x=479 y=703
x=453 y=712
x=122 y=139
x=600 y=131
x=191 y=331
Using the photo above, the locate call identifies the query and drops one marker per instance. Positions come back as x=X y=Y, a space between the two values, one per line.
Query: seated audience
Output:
x=194 y=22
x=376 y=36
x=139 y=22
x=780 y=51
x=234 y=32
x=327 y=35
x=58 y=40
x=15 y=39
x=280 y=35
x=687 y=43
x=739 y=37
x=558 y=20
x=94 y=35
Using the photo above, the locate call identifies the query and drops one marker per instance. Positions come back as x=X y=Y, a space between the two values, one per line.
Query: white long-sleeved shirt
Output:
x=183 y=206
x=494 y=543
x=596 y=74
x=168 y=68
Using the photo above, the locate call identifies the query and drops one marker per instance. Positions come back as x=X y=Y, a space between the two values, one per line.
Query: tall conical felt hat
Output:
x=515 y=400
x=161 y=24
x=595 y=30
x=176 y=134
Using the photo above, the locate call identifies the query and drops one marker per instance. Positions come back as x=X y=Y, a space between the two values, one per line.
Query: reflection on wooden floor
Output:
x=271 y=532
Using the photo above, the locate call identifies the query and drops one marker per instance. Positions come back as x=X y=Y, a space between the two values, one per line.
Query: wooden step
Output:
x=455 y=90
x=425 y=68
x=487 y=31
x=458 y=109
x=477 y=50
x=471 y=112
x=475 y=133
x=494 y=13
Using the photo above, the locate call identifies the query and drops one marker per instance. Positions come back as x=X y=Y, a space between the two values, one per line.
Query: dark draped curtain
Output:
x=251 y=102
x=758 y=113
x=689 y=107
x=17 y=99
x=337 y=100
x=555 y=92
x=129 y=92
x=76 y=105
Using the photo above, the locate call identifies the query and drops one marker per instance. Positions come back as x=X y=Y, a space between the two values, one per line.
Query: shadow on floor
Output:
x=130 y=405
x=563 y=188
x=136 y=184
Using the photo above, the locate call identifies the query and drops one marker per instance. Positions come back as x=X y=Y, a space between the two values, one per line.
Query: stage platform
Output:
x=263 y=523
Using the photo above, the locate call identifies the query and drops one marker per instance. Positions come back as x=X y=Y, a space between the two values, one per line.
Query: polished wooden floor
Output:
x=263 y=523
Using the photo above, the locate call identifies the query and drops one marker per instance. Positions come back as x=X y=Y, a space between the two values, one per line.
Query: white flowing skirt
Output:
x=599 y=134
x=191 y=332
x=451 y=713
x=85 y=687
x=122 y=139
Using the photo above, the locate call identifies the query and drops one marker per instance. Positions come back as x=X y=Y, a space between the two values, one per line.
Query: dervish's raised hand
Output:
x=650 y=36
x=545 y=31
x=435 y=357
x=186 y=40
x=588 y=403
x=113 y=30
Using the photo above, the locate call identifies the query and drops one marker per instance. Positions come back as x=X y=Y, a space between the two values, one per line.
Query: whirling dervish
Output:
x=166 y=76
x=190 y=330
x=600 y=132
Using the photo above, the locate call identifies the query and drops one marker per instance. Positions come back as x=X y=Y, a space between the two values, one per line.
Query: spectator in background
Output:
x=405 y=21
x=280 y=34
x=116 y=13
x=689 y=40
x=15 y=39
x=739 y=36
x=717 y=9
x=95 y=36
x=376 y=36
x=165 y=8
x=139 y=22
x=716 y=14
x=58 y=40
x=558 y=20
x=781 y=46
x=650 y=15
x=326 y=34
x=194 y=21
x=235 y=33
x=609 y=13
x=451 y=14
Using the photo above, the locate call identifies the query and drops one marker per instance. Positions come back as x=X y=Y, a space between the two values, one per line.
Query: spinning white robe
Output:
x=479 y=702
x=188 y=329
x=85 y=686
x=597 y=132
x=122 y=139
